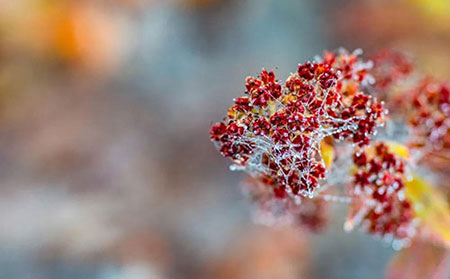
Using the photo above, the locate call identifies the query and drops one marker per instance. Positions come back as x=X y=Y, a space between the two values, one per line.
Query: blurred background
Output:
x=106 y=168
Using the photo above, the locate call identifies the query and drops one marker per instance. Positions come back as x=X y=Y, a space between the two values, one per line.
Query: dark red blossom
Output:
x=276 y=130
x=242 y=104
x=389 y=68
x=217 y=130
x=378 y=192
x=428 y=111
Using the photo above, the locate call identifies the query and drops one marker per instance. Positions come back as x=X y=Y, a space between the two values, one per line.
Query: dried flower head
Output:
x=389 y=68
x=275 y=130
x=429 y=115
x=380 y=203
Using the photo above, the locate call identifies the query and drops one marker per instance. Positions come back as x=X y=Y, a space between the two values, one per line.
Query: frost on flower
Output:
x=428 y=112
x=379 y=202
x=274 y=132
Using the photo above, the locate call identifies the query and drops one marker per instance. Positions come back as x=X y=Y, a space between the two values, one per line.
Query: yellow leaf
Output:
x=398 y=149
x=430 y=206
x=327 y=153
x=433 y=8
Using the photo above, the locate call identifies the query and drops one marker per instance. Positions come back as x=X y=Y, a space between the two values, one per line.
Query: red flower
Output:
x=275 y=131
x=378 y=191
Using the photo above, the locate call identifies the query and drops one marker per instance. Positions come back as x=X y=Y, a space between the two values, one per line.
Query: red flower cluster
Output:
x=274 y=131
x=378 y=191
x=429 y=115
x=393 y=73
x=390 y=67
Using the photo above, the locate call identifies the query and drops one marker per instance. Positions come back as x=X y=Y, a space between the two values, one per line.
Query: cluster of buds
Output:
x=273 y=209
x=389 y=68
x=274 y=132
x=429 y=112
x=393 y=73
x=380 y=205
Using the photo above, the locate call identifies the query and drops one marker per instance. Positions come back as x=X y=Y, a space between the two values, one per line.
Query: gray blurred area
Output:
x=106 y=166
